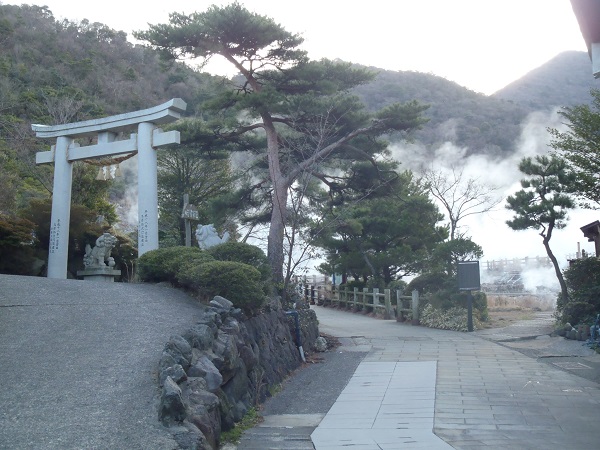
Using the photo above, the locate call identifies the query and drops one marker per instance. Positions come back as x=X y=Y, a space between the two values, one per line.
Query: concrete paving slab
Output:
x=398 y=418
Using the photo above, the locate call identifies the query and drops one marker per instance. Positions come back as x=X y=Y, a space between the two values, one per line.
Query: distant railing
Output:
x=390 y=304
x=517 y=264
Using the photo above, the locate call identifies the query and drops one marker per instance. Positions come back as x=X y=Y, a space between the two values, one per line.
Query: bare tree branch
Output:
x=459 y=197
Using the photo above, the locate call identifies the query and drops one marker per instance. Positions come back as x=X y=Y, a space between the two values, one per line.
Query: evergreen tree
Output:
x=543 y=203
x=281 y=95
x=385 y=237
x=182 y=171
x=580 y=146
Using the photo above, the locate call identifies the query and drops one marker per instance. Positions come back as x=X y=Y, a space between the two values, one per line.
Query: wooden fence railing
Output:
x=390 y=304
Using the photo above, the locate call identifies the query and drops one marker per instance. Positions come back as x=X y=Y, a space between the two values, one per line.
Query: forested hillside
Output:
x=485 y=124
x=565 y=80
x=55 y=72
x=47 y=67
x=456 y=114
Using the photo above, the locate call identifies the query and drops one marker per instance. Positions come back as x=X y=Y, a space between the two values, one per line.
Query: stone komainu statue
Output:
x=99 y=256
x=207 y=236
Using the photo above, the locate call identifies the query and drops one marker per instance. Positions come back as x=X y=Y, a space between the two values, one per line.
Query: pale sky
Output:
x=480 y=44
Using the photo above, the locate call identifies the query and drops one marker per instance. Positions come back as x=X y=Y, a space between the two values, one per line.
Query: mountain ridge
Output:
x=565 y=80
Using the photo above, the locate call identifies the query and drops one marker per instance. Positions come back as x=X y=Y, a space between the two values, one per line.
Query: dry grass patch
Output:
x=505 y=310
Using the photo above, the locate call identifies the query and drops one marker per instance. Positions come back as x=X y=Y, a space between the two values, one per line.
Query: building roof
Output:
x=587 y=13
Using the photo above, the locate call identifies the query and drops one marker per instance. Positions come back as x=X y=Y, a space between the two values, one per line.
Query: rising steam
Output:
x=490 y=230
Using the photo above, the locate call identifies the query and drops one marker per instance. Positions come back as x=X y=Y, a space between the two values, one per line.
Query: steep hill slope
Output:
x=456 y=114
x=57 y=72
x=565 y=80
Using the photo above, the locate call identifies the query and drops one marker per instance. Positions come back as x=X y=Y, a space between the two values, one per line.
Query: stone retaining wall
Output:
x=224 y=365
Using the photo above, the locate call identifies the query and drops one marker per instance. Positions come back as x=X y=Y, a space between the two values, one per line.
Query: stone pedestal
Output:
x=100 y=274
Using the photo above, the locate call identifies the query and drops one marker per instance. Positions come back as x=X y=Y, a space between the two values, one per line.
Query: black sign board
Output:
x=468 y=276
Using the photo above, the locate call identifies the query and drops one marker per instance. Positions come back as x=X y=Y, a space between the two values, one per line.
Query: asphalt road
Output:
x=78 y=362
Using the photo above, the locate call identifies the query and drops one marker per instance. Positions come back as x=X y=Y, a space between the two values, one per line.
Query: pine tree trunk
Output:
x=559 y=275
x=279 y=199
x=276 y=233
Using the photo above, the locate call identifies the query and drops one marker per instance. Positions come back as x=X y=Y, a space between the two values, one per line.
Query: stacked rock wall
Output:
x=223 y=365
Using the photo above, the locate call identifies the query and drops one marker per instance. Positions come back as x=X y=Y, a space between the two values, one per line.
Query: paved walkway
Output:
x=78 y=362
x=487 y=395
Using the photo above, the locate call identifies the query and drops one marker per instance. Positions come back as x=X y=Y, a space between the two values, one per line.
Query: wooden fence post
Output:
x=375 y=299
x=355 y=299
x=332 y=298
x=415 y=307
x=388 y=304
x=365 y=293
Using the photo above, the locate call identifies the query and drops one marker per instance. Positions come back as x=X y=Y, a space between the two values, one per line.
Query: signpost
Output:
x=190 y=212
x=469 y=280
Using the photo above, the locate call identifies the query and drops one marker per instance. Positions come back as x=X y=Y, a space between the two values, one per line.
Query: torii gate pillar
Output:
x=61 y=210
x=148 y=137
x=147 y=191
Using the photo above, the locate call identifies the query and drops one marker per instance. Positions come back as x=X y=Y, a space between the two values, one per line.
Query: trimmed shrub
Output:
x=243 y=253
x=430 y=282
x=350 y=285
x=583 y=285
x=190 y=260
x=237 y=282
x=164 y=264
x=448 y=299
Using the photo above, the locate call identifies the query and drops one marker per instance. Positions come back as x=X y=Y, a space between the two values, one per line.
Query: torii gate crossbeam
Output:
x=66 y=150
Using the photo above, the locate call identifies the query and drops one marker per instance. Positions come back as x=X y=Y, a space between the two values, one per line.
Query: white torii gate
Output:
x=66 y=150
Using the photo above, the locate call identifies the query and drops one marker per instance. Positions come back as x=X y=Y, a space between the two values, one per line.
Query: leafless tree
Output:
x=459 y=196
x=62 y=109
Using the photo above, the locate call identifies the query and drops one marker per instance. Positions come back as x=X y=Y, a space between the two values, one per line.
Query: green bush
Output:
x=350 y=285
x=577 y=313
x=583 y=286
x=441 y=291
x=237 y=282
x=430 y=282
x=164 y=264
x=398 y=285
x=125 y=254
x=447 y=299
x=17 y=244
x=455 y=318
x=191 y=260
x=242 y=253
